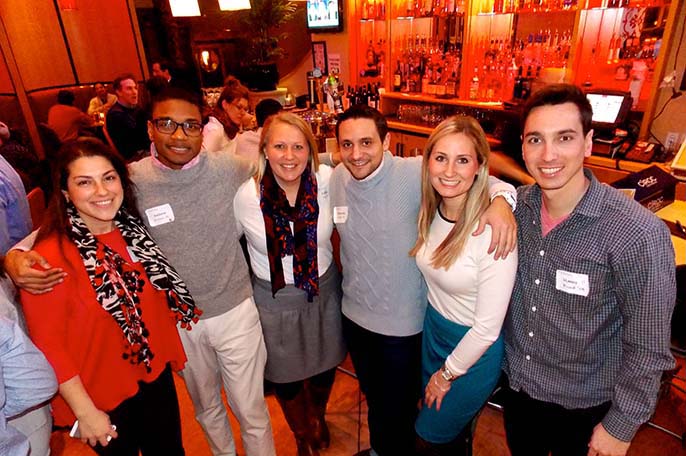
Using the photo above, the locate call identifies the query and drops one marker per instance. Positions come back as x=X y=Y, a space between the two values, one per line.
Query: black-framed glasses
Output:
x=168 y=127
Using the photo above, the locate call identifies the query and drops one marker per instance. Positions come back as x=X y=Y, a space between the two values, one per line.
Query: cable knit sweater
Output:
x=376 y=218
x=202 y=239
x=383 y=291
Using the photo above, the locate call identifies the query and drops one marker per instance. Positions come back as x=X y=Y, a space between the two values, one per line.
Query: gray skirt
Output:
x=303 y=338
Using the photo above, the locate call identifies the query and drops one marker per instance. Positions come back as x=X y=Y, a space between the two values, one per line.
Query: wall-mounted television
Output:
x=324 y=16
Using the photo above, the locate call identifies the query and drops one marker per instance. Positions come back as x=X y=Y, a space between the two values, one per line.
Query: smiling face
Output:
x=95 y=189
x=554 y=147
x=453 y=166
x=127 y=93
x=287 y=153
x=361 y=147
x=176 y=149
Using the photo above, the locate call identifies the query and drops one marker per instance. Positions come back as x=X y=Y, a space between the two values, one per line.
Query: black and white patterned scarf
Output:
x=117 y=284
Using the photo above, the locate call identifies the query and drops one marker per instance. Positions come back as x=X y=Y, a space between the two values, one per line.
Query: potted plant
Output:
x=262 y=24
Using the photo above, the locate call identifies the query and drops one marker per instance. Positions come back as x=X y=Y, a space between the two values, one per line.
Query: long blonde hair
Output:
x=295 y=121
x=477 y=197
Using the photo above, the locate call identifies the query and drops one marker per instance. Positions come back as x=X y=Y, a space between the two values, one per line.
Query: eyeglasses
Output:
x=169 y=127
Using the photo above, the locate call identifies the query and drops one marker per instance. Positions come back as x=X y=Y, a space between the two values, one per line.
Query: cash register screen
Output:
x=606 y=108
x=610 y=108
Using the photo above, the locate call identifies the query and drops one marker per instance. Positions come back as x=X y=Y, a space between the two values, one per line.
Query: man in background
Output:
x=102 y=101
x=126 y=123
x=15 y=215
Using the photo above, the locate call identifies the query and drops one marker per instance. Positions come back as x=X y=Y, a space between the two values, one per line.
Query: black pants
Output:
x=149 y=421
x=389 y=372
x=536 y=428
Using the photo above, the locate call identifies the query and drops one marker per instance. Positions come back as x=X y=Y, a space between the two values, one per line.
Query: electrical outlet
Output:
x=671 y=141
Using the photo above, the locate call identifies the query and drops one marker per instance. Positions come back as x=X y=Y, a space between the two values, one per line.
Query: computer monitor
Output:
x=324 y=16
x=610 y=109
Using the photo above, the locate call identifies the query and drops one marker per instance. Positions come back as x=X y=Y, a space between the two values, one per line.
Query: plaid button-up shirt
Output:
x=589 y=319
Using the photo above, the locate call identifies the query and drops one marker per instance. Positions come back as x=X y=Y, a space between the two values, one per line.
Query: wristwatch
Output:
x=446 y=374
x=510 y=198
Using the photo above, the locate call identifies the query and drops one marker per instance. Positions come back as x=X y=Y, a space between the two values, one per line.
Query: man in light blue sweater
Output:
x=375 y=199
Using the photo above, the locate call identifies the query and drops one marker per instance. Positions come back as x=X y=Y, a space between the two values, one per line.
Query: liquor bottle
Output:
x=397 y=78
x=474 y=85
x=526 y=84
x=518 y=85
x=451 y=86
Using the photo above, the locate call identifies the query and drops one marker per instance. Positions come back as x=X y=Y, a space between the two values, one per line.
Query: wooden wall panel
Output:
x=36 y=39
x=6 y=85
x=101 y=40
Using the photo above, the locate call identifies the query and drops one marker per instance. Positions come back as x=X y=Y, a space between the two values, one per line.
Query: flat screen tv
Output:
x=324 y=16
x=610 y=108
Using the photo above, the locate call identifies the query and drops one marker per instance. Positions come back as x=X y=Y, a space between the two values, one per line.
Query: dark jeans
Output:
x=148 y=421
x=389 y=372
x=535 y=428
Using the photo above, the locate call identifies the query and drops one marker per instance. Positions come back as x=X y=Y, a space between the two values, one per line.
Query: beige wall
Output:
x=674 y=116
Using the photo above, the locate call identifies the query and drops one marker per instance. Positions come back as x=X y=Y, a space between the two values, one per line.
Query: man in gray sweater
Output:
x=185 y=200
x=375 y=199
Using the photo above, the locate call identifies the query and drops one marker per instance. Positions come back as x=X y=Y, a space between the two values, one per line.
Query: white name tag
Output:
x=572 y=283
x=340 y=214
x=159 y=215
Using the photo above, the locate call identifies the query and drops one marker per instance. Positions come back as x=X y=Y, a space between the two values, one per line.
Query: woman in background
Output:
x=227 y=118
x=286 y=216
x=109 y=330
x=469 y=290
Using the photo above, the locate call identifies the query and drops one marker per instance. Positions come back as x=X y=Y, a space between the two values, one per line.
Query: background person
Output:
x=26 y=381
x=227 y=118
x=285 y=214
x=102 y=101
x=469 y=290
x=126 y=123
x=67 y=121
x=248 y=142
x=120 y=292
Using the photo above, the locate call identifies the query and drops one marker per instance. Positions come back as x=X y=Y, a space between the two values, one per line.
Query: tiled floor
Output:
x=347 y=421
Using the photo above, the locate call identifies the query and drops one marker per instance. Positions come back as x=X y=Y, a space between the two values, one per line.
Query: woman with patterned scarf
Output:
x=286 y=216
x=227 y=118
x=109 y=330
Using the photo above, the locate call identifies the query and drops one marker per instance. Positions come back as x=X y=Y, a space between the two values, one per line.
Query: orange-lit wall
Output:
x=98 y=34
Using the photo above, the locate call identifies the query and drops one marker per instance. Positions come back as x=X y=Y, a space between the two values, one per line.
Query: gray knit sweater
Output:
x=202 y=240
x=383 y=291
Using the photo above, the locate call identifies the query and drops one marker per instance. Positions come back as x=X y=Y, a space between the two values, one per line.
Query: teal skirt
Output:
x=468 y=392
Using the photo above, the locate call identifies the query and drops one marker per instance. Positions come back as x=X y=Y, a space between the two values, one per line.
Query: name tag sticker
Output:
x=572 y=283
x=159 y=215
x=340 y=214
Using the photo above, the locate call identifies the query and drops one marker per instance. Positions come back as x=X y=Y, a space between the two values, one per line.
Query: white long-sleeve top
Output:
x=474 y=291
x=246 y=206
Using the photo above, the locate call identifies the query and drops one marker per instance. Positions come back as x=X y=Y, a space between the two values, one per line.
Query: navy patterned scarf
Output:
x=117 y=284
x=301 y=242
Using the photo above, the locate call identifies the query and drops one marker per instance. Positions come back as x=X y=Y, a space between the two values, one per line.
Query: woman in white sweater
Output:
x=286 y=216
x=469 y=290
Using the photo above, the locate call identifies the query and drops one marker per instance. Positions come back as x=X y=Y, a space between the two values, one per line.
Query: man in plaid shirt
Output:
x=587 y=332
